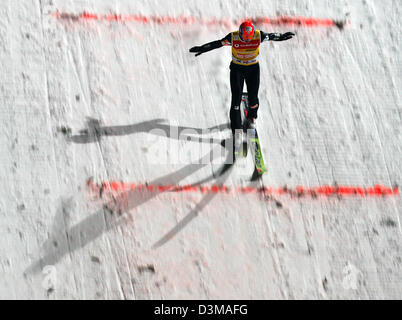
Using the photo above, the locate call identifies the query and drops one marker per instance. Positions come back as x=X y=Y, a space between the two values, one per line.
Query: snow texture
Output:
x=82 y=99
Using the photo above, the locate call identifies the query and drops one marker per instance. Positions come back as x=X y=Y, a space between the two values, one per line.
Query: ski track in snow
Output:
x=79 y=100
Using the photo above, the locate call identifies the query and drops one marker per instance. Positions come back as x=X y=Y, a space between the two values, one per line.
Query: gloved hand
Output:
x=286 y=36
x=198 y=49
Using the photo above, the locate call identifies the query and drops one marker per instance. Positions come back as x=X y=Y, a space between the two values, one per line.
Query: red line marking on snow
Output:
x=298 y=191
x=187 y=20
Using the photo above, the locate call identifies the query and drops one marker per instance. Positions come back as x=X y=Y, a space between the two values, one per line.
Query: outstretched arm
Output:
x=206 y=47
x=212 y=45
x=276 y=36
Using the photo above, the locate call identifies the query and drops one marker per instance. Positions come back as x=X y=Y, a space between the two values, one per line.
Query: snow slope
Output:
x=82 y=99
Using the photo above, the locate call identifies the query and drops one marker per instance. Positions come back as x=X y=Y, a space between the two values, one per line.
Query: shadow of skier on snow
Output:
x=65 y=240
x=94 y=131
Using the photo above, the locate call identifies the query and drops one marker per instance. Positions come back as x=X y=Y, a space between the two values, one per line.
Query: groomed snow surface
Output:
x=87 y=102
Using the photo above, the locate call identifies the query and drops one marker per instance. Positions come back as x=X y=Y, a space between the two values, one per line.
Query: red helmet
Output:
x=246 y=31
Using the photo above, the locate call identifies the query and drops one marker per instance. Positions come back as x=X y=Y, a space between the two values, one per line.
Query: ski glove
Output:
x=280 y=36
x=286 y=36
x=197 y=49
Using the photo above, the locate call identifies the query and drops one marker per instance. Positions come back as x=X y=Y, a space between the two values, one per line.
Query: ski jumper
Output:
x=243 y=68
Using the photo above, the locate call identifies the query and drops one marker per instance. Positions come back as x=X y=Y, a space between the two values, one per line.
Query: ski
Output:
x=253 y=142
x=256 y=151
